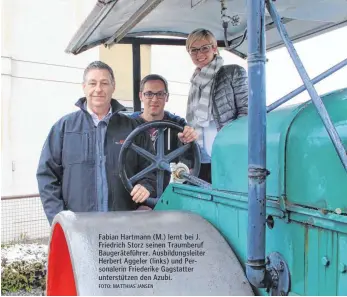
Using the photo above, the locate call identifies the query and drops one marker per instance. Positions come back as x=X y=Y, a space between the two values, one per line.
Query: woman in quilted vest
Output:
x=218 y=94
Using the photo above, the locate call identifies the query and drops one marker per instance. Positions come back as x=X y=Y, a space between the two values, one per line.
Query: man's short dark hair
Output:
x=152 y=77
x=99 y=65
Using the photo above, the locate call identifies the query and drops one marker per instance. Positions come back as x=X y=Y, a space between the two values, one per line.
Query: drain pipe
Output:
x=256 y=264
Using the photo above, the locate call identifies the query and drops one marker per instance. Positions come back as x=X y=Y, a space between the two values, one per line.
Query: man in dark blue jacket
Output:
x=154 y=93
x=78 y=168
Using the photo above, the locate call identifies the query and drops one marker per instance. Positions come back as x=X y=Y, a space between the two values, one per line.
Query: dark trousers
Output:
x=205 y=172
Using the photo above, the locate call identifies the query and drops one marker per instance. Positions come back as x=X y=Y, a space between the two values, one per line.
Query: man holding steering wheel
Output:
x=154 y=94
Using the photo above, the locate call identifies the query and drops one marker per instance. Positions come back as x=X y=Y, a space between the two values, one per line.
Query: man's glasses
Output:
x=204 y=49
x=160 y=95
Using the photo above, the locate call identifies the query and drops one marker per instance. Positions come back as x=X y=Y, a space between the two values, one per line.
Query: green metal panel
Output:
x=315 y=175
x=306 y=175
x=297 y=138
x=342 y=266
x=328 y=257
x=230 y=166
x=304 y=239
x=312 y=261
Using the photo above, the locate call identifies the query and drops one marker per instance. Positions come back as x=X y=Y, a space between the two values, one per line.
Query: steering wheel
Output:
x=159 y=162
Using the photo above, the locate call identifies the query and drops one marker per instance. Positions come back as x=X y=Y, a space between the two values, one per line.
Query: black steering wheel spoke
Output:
x=177 y=152
x=160 y=143
x=142 y=173
x=143 y=152
x=160 y=182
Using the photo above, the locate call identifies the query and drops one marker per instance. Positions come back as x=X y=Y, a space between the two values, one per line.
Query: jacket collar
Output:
x=116 y=106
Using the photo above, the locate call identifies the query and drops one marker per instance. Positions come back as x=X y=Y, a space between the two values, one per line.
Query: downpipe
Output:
x=256 y=265
x=269 y=272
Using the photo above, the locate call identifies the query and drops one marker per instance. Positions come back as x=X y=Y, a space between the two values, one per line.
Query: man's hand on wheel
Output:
x=139 y=194
x=188 y=135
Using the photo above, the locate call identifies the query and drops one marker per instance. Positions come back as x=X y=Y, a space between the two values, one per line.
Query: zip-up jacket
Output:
x=230 y=95
x=66 y=173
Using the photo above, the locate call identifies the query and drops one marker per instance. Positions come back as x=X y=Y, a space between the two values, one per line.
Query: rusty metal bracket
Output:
x=258 y=173
x=283 y=206
x=279 y=274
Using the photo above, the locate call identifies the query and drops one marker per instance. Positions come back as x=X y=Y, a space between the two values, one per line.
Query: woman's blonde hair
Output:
x=200 y=34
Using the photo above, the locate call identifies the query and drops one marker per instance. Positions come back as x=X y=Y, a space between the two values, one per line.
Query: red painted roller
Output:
x=60 y=277
x=90 y=254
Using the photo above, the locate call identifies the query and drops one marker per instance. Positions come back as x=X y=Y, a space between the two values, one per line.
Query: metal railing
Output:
x=23 y=220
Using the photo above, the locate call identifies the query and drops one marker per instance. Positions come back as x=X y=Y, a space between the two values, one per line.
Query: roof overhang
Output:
x=170 y=21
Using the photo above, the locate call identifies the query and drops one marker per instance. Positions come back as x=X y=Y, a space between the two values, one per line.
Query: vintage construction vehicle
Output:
x=274 y=220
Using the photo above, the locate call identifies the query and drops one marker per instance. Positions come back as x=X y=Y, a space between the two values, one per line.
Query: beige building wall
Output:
x=119 y=57
x=39 y=82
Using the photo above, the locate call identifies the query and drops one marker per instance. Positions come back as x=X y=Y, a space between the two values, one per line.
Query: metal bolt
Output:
x=310 y=221
x=338 y=211
x=324 y=211
x=325 y=261
x=342 y=268
x=281 y=266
